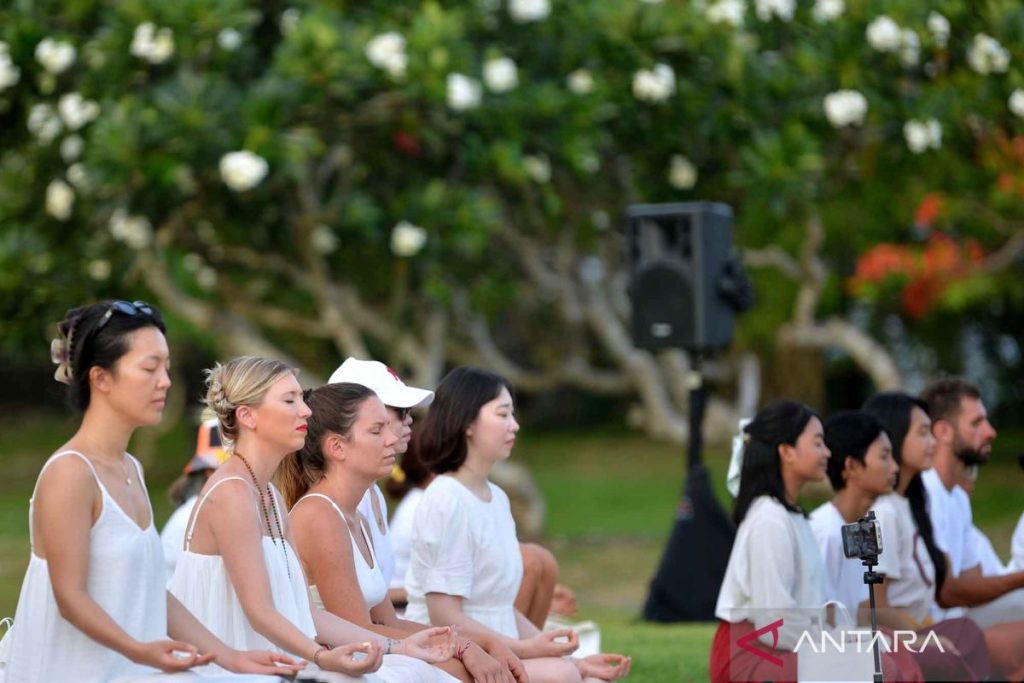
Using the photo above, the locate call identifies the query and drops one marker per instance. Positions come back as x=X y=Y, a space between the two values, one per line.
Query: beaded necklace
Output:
x=266 y=514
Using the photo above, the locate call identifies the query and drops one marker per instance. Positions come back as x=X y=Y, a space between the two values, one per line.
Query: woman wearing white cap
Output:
x=398 y=398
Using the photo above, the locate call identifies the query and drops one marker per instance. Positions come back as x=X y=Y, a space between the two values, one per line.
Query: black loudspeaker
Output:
x=686 y=285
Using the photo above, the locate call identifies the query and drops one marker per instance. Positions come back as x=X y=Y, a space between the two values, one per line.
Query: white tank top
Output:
x=125 y=577
x=202 y=584
x=371 y=580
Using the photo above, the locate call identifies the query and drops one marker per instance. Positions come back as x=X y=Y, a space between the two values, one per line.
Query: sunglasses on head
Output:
x=129 y=308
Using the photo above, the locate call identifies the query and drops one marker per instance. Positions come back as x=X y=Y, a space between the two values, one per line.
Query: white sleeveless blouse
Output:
x=371 y=580
x=126 y=579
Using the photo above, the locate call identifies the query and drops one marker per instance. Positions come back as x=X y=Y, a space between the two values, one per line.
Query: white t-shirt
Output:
x=991 y=564
x=1016 y=563
x=775 y=572
x=400 y=533
x=952 y=522
x=905 y=562
x=462 y=545
x=172 y=536
x=844 y=576
x=381 y=540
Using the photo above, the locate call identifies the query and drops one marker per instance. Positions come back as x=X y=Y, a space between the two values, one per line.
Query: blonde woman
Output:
x=352 y=443
x=93 y=606
x=239 y=572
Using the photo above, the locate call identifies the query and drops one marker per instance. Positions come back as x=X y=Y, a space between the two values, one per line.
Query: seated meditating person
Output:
x=239 y=572
x=350 y=444
x=775 y=569
x=862 y=470
x=916 y=570
x=94 y=606
x=465 y=565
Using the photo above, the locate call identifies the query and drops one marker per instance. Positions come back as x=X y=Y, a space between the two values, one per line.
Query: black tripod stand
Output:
x=871 y=578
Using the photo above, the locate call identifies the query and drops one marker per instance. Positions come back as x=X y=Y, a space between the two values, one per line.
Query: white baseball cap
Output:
x=384 y=381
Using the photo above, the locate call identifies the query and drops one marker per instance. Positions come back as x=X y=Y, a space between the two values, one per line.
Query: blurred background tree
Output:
x=443 y=182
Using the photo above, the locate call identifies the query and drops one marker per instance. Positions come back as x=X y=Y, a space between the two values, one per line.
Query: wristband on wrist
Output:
x=316 y=655
x=390 y=645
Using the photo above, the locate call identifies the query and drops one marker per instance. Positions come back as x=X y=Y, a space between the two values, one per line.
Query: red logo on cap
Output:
x=393 y=374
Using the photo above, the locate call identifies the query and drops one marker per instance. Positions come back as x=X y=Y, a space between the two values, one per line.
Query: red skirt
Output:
x=730 y=663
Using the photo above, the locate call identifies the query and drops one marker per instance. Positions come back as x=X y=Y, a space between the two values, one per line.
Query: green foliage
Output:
x=354 y=143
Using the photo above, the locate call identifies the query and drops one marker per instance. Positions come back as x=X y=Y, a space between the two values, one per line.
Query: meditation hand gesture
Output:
x=346 y=659
x=170 y=656
x=261 y=662
x=516 y=673
x=481 y=666
x=549 y=643
x=607 y=667
x=431 y=645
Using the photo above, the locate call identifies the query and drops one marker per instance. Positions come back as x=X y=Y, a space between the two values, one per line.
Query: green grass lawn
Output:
x=611 y=501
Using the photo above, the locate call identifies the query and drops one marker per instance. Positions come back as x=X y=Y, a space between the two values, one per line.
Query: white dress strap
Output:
x=199 y=505
x=344 y=519
x=51 y=460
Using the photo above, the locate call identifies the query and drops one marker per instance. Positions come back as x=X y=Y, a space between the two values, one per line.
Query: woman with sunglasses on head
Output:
x=465 y=566
x=350 y=445
x=239 y=572
x=94 y=606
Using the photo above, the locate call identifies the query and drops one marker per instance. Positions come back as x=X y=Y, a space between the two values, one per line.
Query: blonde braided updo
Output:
x=242 y=381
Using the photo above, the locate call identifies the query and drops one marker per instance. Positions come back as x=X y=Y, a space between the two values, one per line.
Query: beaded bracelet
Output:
x=320 y=651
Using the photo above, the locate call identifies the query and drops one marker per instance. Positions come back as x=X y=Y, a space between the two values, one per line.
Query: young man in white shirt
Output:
x=964 y=437
x=861 y=468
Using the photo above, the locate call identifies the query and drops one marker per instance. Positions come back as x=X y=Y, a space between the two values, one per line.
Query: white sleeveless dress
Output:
x=126 y=578
x=396 y=668
x=202 y=584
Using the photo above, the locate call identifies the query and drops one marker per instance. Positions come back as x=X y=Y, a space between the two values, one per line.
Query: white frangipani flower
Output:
x=654 y=85
x=682 y=174
x=884 y=34
x=910 y=47
x=76 y=111
x=289 y=20
x=580 y=82
x=783 y=9
x=44 y=123
x=825 y=11
x=386 y=51
x=524 y=11
x=229 y=39
x=152 y=44
x=134 y=231
x=538 y=168
x=845 y=108
x=54 y=55
x=938 y=25
x=922 y=135
x=464 y=93
x=324 y=240
x=9 y=73
x=206 y=278
x=726 y=12
x=243 y=170
x=79 y=177
x=987 y=56
x=71 y=148
x=407 y=239
x=99 y=269
x=1016 y=102
x=60 y=199
x=501 y=74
